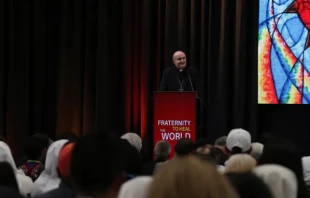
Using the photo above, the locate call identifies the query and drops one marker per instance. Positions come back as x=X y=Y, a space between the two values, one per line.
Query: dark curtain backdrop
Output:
x=87 y=65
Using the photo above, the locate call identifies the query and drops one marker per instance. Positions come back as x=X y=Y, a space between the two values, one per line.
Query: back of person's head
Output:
x=257 y=150
x=238 y=141
x=189 y=176
x=135 y=188
x=162 y=149
x=218 y=155
x=64 y=163
x=45 y=140
x=248 y=185
x=7 y=176
x=280 y=180
x=240 y=163
x=97 y=163
x=221 y=141
x=284 y=152
x=67 y=136
x=206 y=158
x=184 y=146
x=34 y=149
x=7 y=192
x=133 y=139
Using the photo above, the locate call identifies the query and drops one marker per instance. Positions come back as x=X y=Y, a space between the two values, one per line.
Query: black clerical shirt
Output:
x=175 y=80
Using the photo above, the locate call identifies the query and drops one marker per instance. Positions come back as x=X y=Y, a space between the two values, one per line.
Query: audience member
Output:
x=134 y=140
x=281 y=181
x=249 y=185
x=49 y=180
x=188 y=176
x=162 y=152
x=35 y=152
x=66 y=185
x=218 y=155
x=133 y=162
x=24 y=182
x=7 y=177
x=44 y=140
x=183 y=147
x=257 y=150
x=221 y=143
x=240 y=163
x=284 y=152
x=135 y=188
x=105 y=150
x=238 y=141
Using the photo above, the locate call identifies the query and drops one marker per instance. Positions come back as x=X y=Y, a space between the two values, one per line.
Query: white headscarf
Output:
x=24 y=182
x=135 y=188
x=49 y=180
x=134 y=140
x=281 y=181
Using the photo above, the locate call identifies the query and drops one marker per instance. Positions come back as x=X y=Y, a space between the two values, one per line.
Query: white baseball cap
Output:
x=239 y=138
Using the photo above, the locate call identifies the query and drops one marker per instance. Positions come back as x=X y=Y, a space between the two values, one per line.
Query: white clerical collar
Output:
x=181 y=70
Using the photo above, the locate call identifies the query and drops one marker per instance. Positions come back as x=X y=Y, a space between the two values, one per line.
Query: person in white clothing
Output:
x=49 y=180
x=24 y=182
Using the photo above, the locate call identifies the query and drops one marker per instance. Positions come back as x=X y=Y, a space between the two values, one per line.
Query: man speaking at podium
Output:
x=179 y=77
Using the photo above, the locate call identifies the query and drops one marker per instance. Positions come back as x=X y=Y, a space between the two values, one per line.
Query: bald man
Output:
x=179 y=77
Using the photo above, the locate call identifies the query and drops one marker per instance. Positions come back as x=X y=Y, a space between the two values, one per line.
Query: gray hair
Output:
x=162 y=149
x=220 y=141
x=257 y=150
x=134 y=140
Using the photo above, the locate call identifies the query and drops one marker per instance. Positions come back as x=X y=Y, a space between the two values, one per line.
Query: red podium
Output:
x=174 y=117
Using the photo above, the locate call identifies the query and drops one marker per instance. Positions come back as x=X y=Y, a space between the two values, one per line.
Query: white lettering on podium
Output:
x=174 y=122
x=174 y=136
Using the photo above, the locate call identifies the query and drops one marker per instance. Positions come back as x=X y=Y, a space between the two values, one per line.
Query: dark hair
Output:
x=236 y=150
x=284 y=152
x=33 y=148
x=67 y=136
x=218 y=155
x=184 y=146
x=7 y=176
x=221 y=141
x=249 y=185
x=43 y=138
x=205 y=157
x=90 y=150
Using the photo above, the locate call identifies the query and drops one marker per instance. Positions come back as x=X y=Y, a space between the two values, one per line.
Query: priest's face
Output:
x=179 y=60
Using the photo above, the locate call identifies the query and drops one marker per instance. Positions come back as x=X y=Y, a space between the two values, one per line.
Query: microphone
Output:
x=190 y=80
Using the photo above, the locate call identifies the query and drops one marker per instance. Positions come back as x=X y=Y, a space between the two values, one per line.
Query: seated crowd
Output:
x=102 y=165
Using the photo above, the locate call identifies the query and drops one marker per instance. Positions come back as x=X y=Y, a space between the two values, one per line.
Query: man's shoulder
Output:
x=170 y=69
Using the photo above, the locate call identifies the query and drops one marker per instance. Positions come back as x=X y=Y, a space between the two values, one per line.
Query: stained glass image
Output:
x=284 y=52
